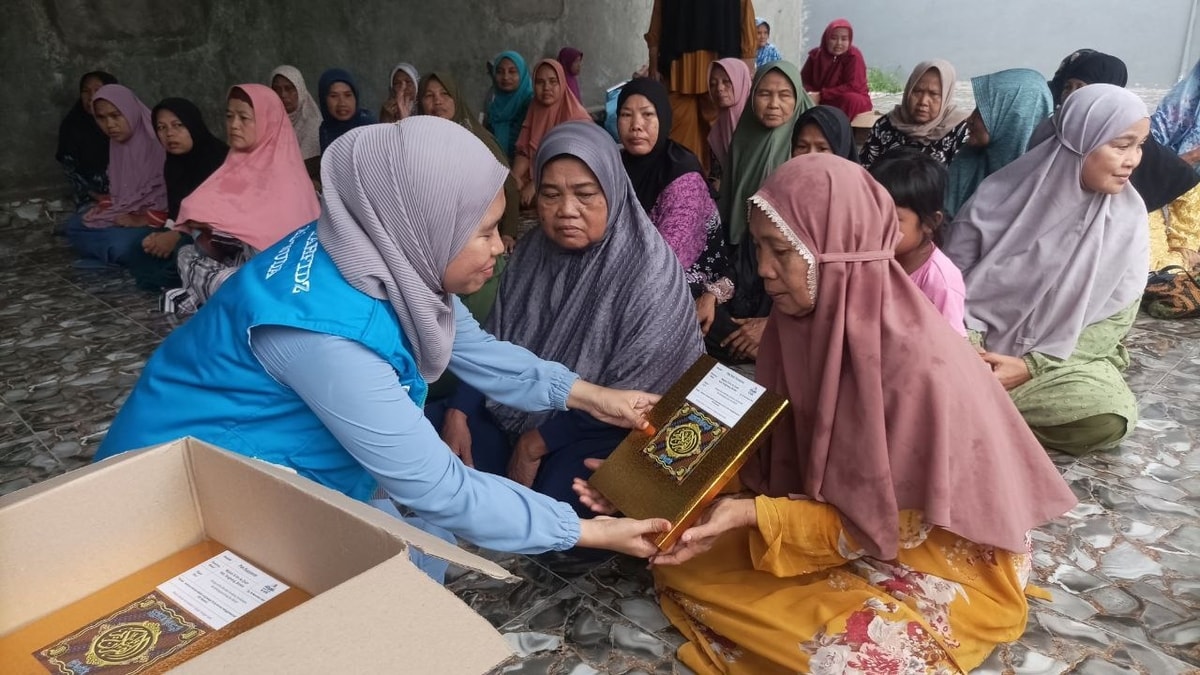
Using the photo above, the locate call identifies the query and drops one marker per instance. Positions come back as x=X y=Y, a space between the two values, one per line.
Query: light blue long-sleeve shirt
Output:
x=358 y=397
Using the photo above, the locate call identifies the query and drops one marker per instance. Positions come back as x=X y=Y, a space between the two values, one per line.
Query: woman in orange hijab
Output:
x=553 y=103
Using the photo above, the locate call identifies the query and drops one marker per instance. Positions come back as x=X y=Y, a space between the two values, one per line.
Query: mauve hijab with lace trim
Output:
x=891 y=410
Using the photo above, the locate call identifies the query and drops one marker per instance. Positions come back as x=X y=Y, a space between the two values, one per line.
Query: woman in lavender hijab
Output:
x=1052 y=316
x=347 y=320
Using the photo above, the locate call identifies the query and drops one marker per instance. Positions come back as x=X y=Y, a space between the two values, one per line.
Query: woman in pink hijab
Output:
x=261 y=193
x=729 y=86
x=884 y=525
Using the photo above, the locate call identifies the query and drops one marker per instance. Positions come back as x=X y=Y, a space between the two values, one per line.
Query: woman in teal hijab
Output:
x=1009 y=105
x=512 y=92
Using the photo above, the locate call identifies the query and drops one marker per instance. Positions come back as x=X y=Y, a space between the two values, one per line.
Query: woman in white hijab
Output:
x=1054 y=251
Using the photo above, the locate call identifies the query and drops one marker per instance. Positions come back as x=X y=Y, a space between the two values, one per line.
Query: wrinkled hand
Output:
x=160 y=244
x=590 y=496
x=509 y=243
x=1012 y=371
x=457 y=435
x=743 y=342
x=720 y=517
x=1191 y=156
x=706 y=311
x=623 y=535
x=618 y=407
x=527 y=457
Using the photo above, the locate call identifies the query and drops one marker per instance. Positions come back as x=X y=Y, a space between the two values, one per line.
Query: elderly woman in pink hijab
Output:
x=729 y=87
x=110 y=233
x=261 y=193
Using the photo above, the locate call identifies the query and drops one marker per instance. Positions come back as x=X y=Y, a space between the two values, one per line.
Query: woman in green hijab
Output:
x=761 y=143
x=762 y=140
x=439 y=95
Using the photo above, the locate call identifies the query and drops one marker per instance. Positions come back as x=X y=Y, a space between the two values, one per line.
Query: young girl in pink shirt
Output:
x=917 y=183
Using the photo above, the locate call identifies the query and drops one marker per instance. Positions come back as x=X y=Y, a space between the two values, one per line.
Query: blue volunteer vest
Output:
x=205 y=381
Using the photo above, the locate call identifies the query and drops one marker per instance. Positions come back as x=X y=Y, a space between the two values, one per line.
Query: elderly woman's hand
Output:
x=720 y=517
x=618 y=407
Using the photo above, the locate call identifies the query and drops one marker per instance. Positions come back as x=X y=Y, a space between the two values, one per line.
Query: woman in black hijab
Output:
x=193 y=154
x=670 y=186
x=82 y=146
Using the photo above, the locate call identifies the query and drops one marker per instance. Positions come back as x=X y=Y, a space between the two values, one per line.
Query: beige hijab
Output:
x=946 y=121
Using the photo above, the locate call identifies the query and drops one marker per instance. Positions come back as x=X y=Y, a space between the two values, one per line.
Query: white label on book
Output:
x=725 y=395
x=222 y=589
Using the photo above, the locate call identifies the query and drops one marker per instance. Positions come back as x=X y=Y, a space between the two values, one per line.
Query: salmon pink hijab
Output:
x=721 y=135
x=542 y=118
x=891 y=410
x=261 y=194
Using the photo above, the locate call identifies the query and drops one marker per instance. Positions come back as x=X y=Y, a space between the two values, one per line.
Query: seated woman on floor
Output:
x=926 y=117
x=340 y=109
x=304 y=114
x=552 y=105
x=259 y=195
x=670 y=186
x=1166 y=182
x=511 y=94
x=193 y=154
x=1051 y=317
x=917 y=184
x=439 y=94
x=884 y=526
x=82 y=145
x=761 y=142
x=316 y=357
x=1009 y=105
x=402 y=99
x=596 y=289
x=110 y=233
x=835 y=73
x=729 y=88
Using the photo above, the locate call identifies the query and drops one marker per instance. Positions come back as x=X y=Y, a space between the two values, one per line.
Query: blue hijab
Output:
x=506 y=111
x=1012 y=103
x=332 y=129
x=1174 y=124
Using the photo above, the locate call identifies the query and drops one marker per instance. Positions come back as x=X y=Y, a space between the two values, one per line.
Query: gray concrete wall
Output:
x=197 y=49
x=979 y=37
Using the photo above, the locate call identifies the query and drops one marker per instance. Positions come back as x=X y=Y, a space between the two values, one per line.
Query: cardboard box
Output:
x=68 y=537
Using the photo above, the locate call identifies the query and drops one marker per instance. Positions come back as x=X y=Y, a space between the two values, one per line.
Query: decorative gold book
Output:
x=154 y=619
x=703 y=431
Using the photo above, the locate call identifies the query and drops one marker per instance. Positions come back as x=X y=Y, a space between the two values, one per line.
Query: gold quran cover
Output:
x=152 y=620
x=704 y=429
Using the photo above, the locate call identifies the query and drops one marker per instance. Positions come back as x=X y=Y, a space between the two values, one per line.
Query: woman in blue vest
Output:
x=316 y=354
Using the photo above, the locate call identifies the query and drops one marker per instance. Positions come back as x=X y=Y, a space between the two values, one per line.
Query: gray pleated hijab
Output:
x=400 y=202
x=619 y=312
